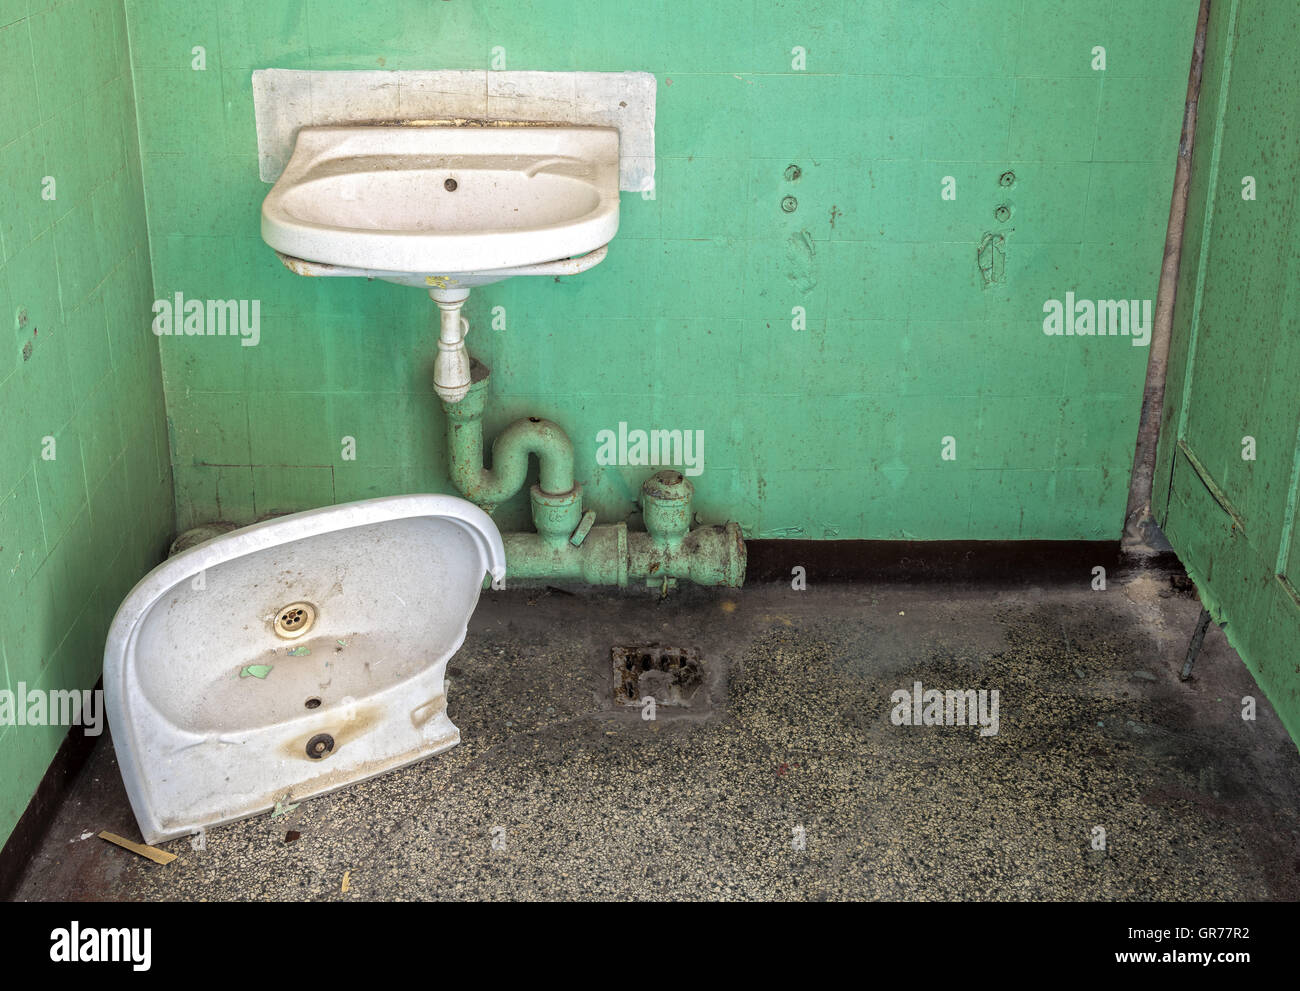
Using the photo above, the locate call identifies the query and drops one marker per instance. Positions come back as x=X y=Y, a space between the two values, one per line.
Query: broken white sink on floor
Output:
x=445 y=206
x=355 y=609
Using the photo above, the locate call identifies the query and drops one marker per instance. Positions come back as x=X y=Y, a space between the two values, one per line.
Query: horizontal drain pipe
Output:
x=568 y=544
x=614 y=555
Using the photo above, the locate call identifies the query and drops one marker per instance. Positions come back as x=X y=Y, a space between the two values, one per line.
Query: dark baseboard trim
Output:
x=35 y=822
x=998 y=561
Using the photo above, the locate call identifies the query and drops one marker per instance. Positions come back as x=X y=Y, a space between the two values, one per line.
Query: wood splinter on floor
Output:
x=151 y=852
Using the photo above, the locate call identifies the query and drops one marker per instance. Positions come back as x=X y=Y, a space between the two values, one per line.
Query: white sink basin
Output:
x=292 y=657
x=445 y=207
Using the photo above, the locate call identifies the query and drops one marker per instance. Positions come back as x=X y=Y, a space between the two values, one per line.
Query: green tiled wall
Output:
x=78 y=363
x=834 y=431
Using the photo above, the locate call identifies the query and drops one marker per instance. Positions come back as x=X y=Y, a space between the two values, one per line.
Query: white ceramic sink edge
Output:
x=444 y=200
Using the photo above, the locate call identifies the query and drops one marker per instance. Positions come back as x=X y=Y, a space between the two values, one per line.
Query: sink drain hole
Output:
x=294 y=620
x=319 y=746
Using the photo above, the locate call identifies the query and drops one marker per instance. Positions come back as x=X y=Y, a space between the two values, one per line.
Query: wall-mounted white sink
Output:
x=445 y=207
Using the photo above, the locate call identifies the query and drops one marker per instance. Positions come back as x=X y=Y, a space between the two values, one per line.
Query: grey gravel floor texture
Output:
x=790 y=780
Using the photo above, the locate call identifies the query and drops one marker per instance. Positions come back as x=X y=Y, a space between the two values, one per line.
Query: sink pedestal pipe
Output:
x=451 y=367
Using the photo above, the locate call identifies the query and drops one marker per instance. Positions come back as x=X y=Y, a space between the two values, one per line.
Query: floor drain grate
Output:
x=671 y=675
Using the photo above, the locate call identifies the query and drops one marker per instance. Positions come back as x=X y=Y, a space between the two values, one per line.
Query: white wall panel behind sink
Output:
x=285 y=100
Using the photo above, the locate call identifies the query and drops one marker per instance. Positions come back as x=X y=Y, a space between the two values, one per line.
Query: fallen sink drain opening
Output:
x=320 y=745
x=672 y=676
x=294 y=620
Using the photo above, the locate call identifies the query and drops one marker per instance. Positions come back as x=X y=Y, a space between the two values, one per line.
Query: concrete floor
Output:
x=594 y=802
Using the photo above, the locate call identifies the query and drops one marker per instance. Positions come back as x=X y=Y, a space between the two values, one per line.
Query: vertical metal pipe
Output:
x=1194 y=648
x=1138 y=512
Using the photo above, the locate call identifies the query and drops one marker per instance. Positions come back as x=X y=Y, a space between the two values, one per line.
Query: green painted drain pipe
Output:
x=611 y=555
x=489 y=488
x=567 y=545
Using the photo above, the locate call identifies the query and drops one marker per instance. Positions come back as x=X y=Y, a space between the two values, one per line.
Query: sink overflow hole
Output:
x=313 y=703
x=450 y=185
